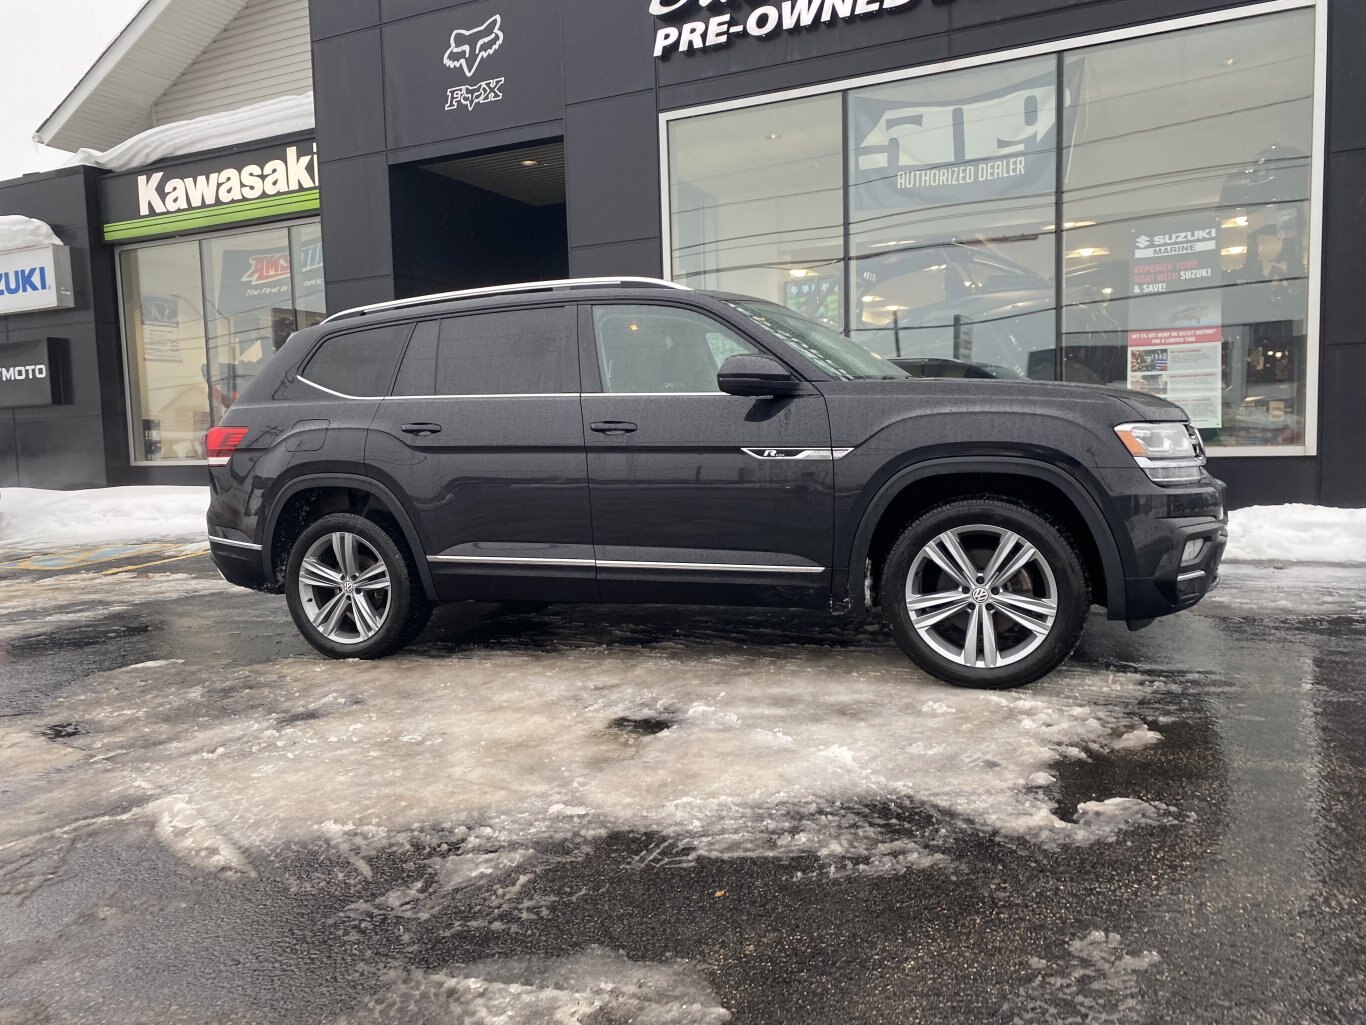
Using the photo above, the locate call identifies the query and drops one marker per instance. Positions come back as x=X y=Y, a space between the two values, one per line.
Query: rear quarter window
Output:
x=359 y=363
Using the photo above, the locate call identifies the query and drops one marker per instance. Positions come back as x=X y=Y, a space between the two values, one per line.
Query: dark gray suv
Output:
x=629 y=440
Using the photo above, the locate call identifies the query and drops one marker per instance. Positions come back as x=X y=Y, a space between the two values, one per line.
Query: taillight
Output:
x=222 y=442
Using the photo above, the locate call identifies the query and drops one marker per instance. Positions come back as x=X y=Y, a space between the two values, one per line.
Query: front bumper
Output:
x=1171 y=579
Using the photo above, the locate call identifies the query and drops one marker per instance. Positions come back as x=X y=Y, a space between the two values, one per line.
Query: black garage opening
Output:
x=488 y=218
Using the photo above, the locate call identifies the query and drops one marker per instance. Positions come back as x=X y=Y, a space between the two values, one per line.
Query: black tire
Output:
x=938 y=640
x=396 y=621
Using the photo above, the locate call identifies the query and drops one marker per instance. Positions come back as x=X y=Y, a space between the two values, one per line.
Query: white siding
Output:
x=263 y=53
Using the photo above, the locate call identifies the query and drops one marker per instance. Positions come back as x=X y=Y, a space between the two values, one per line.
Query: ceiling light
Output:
x=774 y=136
x=531 y=163
x=1107 y=291
x=801 y=272
x=1236 y=222
x=892 y=309
x=1069 y=225
x=1086 y=252
x=1235 y=251
x=873 y=299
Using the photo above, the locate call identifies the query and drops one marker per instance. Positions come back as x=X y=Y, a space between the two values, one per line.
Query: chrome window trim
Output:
x=524 y=395
x=403 y=398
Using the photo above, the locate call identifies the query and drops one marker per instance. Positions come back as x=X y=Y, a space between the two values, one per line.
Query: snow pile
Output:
x=510 y=760
x=283 y=115
x=31 y=518
x=594 y=985
x=19 y=232
x=1297 y=533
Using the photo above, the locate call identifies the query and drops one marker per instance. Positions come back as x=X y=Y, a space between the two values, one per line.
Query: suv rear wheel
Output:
x=353 y=589
x=985 y=593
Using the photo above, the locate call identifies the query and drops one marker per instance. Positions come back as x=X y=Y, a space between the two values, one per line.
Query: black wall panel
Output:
x=348 y=95
x=605 y=54
x=66 y=445
x=612 y=169
x=634 y=259
x=333 y=17
x=1342 y=464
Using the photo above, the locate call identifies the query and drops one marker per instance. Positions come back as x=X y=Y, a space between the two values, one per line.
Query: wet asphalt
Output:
x=1247 y=905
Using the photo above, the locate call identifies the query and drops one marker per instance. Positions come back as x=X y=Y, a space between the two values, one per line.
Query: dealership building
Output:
x=1156 y=194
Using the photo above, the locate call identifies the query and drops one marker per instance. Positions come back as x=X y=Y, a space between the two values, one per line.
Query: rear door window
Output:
x=359 y=364
x=508 y=352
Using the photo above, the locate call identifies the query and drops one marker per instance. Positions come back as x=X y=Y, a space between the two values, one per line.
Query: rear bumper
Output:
x=240 y=562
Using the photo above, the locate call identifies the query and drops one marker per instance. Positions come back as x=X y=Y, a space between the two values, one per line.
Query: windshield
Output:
x=842 y=359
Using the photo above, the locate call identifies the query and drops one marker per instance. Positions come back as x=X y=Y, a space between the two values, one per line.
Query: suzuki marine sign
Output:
x=695 y=25
x=255 y=184
x=38 y=278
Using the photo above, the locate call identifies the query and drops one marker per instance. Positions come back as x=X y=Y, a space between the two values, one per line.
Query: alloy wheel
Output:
x=345 y=588
x=982 y=596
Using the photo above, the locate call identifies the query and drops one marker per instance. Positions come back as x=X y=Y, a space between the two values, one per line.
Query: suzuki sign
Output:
x=35 y=279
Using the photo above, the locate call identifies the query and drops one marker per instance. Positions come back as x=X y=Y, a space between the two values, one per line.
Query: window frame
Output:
x=573 y=331
x=321 y=343
x=129 y=397
x=1318 y=172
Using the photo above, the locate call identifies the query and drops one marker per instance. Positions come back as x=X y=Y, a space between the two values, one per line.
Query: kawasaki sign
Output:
x=695 y=25
x=249 y=185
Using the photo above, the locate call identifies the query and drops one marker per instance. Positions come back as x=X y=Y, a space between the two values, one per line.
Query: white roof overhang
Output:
x=114 y=98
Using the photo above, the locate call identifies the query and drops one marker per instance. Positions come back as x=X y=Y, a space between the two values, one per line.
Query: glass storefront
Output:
x=1135 y=213
x=201 y=317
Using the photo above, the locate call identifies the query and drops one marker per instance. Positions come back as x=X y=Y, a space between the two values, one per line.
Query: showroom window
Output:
x=200 y=319
x=1135 y=213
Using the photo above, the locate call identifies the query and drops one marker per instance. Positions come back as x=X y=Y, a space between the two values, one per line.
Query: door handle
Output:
x=421 y=430
x=613 y=427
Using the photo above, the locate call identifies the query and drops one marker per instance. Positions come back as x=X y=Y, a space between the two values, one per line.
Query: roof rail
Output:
x=531 y=286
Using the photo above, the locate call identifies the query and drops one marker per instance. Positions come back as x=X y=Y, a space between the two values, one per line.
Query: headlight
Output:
x=1170 y=453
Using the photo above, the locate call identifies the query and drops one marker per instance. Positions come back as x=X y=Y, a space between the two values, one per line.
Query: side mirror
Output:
x=758 y=376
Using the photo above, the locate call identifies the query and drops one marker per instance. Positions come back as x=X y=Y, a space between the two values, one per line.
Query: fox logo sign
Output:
x=469 y=47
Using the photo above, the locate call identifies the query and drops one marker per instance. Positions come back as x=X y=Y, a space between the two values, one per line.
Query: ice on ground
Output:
x=1297 y=533
x=36 y=519
x=593 y=986
x=812 y=753
x=38 y=605
x=19 y=232
x=1295 y=591
x=1096 y=984
x=283 y=115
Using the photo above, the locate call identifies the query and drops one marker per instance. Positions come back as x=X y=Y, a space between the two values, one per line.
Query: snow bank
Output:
x=1297 y=533
x=19 y=232
x=32 y=518
x=280 y=116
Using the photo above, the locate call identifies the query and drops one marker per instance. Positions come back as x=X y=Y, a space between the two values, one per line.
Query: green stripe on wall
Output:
x=207 y=217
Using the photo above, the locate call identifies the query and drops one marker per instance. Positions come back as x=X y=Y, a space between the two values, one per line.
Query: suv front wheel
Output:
x=985 y=593
x=353 y=588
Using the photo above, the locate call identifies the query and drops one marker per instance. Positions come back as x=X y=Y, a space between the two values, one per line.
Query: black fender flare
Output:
x=1077 y=493
x=353 y=482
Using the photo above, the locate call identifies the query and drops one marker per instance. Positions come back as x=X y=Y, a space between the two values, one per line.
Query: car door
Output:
x=699 y=496
x=483 y=432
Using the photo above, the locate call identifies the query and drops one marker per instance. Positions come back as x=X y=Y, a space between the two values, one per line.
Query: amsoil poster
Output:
x=1176 y=315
